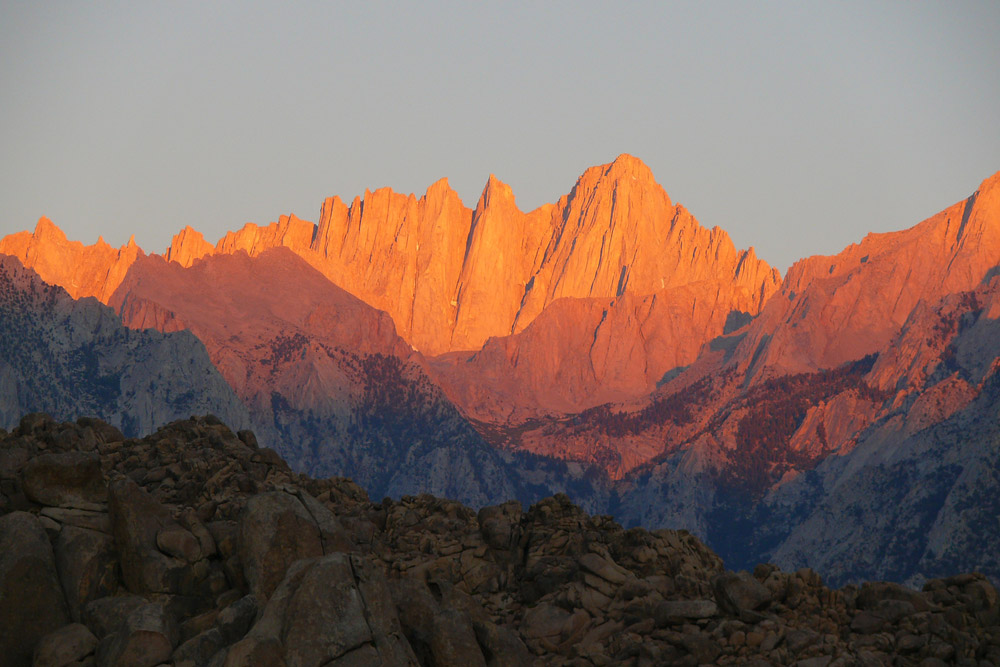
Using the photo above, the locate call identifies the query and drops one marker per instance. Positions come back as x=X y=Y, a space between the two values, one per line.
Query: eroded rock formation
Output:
x=420 y=580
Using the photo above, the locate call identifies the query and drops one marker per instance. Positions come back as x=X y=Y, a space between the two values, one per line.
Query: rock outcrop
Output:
x=582 y=353
x=900 y=297
x=629 y=356
x=420 y=580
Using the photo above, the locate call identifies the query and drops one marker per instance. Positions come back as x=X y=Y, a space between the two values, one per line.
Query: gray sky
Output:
x=796 y=126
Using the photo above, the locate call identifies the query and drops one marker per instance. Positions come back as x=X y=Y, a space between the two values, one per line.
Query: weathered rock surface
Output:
x=88 y=565
x=420 y=580
x=145 y=639
x=138 y=522
x=332 y=610
x=279 y=528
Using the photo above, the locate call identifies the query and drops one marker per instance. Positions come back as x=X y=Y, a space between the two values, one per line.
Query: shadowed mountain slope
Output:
x=73 y=358
x=328 y=382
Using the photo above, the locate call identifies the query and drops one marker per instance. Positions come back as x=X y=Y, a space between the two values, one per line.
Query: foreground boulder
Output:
x=278 y=528
x=69 y=644
x=201 y=549
x=66 y=479
x=31 y=600
x=155 y=549
x=335 y=610
x=145 y=639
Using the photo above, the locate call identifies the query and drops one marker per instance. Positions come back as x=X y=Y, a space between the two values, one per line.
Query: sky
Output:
x=798 y=127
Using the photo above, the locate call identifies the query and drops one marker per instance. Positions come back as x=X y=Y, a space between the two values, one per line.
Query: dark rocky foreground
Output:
x=193 y=546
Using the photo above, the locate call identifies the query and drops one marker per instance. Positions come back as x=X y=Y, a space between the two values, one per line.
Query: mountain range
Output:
x=842 y=417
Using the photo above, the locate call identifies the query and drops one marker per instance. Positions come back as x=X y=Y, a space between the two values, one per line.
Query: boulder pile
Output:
x=193 y=546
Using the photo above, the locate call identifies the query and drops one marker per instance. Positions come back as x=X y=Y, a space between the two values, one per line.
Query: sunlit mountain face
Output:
x=842 y=417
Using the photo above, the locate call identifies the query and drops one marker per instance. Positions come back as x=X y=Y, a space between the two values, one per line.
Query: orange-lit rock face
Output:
x=579 y=353
x=577 y=303
x=94 y=270
x=831 y=310
x=452 y=277
x=618 y=233
x=905 y=296
x=188 y=245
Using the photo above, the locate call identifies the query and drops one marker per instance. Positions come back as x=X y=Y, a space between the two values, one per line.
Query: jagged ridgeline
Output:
x=844 y=417
x=195 y=546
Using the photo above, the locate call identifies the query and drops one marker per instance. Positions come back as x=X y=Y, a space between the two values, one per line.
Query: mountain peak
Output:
x=46 y=229
x=496 y=192
x=466 y=275
x=629 y=165
x=626 y=172
x=988 y=194
x=439 y=184
x=990 y=183
x=187 y=246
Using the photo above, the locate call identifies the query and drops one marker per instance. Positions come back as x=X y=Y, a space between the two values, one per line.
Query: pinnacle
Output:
x=46 y=227
x=629 y=165
x=496 y=191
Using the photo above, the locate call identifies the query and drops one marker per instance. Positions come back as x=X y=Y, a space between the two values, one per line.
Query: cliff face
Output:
x=628 y=287
x=884 y=297
x=73 y=357
x=452 y=277
x=611 y=330
x=584 y=352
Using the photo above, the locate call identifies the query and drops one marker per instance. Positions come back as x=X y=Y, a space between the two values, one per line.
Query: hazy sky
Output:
x=796 y=126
